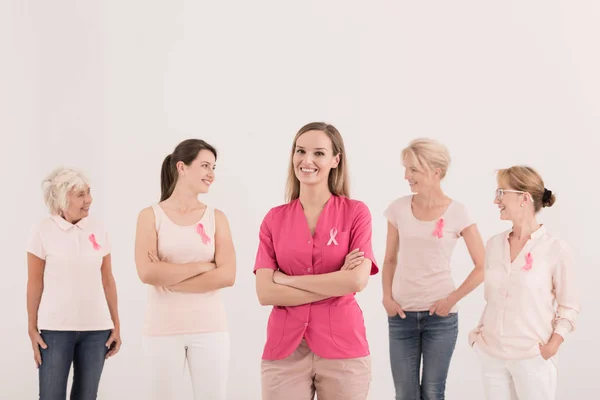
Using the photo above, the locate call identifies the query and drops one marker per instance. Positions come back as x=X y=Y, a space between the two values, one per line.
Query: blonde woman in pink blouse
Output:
x=419 y=294
x=531 y=299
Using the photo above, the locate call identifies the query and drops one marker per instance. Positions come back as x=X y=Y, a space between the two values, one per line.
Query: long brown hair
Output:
x=338 y=177
x=186 y=151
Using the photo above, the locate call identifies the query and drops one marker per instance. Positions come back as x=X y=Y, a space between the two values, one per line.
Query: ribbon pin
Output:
x=438 y=231
x=94 y=242
x=202 y=233
x=332 y=234
x=528 y=262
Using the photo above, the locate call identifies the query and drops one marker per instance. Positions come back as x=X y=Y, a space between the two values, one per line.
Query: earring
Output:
x=522 y=204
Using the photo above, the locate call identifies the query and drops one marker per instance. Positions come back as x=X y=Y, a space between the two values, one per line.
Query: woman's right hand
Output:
x=392 y=308
x=36 y=343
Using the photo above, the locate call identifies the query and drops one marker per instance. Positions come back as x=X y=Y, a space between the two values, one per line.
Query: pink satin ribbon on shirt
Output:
x=94 y=242
x=332 y=234
x=528 y=262
x=438 y=232
x=202 y=233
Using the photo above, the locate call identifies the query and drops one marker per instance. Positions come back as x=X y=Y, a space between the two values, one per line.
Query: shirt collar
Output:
x=66 y=225
x=538 y=233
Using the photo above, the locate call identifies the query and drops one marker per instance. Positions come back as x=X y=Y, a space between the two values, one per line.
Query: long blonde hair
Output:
x=338 y=177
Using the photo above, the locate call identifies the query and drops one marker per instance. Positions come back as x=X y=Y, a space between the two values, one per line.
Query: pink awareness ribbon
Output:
x=94 y=242
x=439 y=226
x=332 y=234
x=528 y=262
x=202 y=233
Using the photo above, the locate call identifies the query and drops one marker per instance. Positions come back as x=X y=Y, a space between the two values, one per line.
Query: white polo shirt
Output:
x=73 y=298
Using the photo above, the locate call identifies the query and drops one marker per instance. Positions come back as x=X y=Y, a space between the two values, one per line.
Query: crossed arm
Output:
x=274 y=287
x=194 y=277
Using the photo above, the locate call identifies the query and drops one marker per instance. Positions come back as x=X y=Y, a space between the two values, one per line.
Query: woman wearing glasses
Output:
x=531 y=300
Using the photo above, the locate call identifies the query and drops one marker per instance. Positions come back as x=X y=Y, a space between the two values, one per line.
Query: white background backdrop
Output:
x=112 y=88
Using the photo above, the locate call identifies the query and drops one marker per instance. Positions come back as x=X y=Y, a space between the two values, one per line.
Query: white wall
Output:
x=113 y=88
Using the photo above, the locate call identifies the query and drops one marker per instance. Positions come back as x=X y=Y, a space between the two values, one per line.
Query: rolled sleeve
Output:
x=566 y=293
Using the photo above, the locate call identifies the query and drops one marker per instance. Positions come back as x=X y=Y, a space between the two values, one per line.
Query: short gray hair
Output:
x=58 y=184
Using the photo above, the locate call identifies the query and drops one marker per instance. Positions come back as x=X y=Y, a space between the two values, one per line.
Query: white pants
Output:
x=205 y=354
x=529 y=379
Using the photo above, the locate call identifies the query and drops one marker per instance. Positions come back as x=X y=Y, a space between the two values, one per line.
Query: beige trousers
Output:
x=302 y=374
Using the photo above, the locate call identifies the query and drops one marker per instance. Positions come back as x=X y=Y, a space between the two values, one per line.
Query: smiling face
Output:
x=200 y=174
x=418 y=177
x=513 y=204
x=314 y=158
x=78 y=204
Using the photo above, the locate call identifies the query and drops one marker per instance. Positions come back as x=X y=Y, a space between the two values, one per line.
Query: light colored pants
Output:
x=529 y=379
x=303 y=373
x=205 y=354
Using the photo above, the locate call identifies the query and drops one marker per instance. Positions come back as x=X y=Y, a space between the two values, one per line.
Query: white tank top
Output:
x=175 y=313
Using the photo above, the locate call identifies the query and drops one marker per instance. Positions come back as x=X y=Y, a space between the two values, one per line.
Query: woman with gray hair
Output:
x=71 y=292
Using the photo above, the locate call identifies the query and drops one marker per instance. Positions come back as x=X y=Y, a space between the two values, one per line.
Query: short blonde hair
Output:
x=428 y=153
x=57 y=185
x=527 y=179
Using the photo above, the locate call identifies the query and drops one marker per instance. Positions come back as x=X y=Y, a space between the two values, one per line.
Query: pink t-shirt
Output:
x=174 y=313
x=73 y=298
x=333 y=328
x=423 y=275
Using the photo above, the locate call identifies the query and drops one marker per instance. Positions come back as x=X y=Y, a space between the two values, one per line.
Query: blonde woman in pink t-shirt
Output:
x=71 y=291
x=419 y=294
x=185 y=254
x=531 y=295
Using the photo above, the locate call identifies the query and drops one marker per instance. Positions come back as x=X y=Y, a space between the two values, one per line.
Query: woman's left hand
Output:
x=113 y=343
x=549 y=350
x=442 y=307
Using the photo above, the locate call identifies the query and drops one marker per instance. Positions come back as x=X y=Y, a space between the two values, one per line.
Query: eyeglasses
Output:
x=500 y=193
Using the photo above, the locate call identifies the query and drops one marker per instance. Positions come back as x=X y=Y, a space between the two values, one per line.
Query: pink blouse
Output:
x=333 y=328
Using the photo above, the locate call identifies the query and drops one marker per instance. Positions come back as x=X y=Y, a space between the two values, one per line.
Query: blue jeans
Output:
x=85 y=350
x=421 y=335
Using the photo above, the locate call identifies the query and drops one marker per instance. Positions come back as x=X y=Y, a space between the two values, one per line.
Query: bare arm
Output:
x=272 y=294
x=159 y=273
x=225 y=260
x=391 y=259
x=338 y=283
x=110 y=290
x=477 y=252
x=35 y=287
